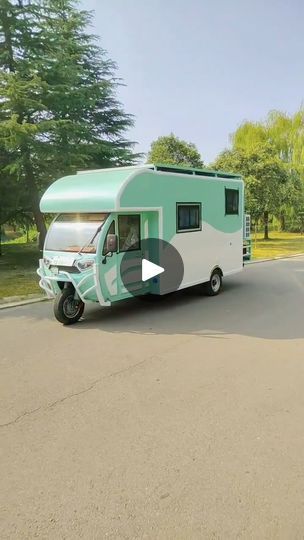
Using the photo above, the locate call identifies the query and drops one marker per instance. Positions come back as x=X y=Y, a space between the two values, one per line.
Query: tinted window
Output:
x=231 y=201
x=129 y=232
x=188 y=217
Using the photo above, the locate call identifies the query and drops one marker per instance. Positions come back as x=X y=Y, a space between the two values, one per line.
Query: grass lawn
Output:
x=18 y=265
x=280 y=243
x=19 y=262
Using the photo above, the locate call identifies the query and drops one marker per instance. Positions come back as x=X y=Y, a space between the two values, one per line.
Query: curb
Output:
x=279 y=258
x=7 y=303
x=22 y=302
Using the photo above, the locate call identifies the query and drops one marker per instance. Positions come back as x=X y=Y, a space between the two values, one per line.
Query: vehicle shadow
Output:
x=268 y=306
x=265 y=301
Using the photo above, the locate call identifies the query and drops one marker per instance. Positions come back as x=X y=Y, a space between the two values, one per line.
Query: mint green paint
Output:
x=119 y=190
x=99 y=192
x=160 y=190
x=112 y=263
x=153 y=232
x=149 y=228
x=76 y=277
x=85 y=192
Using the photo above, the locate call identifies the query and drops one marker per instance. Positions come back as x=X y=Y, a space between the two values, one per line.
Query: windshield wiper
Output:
x=92 y=239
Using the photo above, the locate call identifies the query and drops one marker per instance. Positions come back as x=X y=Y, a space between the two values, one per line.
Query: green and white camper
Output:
x=102 y=214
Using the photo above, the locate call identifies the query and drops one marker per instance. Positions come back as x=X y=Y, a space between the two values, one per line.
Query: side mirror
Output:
x=112 y=243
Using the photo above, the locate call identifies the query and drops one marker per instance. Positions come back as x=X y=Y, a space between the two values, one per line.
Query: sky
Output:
x=199 y=68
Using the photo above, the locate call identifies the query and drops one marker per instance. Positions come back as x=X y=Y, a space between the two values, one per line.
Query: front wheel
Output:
x=67 y=309
x=213 y=287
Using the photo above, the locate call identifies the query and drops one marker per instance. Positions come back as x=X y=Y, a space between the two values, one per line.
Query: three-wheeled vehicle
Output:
x=102 y=214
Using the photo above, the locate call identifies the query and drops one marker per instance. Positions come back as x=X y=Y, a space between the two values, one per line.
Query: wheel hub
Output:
x=216 y=282
x=70 y=307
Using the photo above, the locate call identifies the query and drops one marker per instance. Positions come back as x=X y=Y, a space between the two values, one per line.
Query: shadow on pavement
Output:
x=265 y=301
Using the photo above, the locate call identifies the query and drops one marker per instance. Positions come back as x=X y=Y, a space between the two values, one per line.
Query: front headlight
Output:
x=84 y=264
x=47 y=261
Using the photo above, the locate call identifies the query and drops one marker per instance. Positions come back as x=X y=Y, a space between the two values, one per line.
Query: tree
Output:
x=58 y=106
x=292 y=198
x=285 y=133
x=170 y=150
x=266 y=178
x=13 y=198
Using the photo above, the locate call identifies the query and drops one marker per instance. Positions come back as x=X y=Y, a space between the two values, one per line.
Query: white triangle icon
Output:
x=150 y=270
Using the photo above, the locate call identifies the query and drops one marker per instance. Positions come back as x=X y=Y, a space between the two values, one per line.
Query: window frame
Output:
x=104 y=251
x=139 y=232
x=238 y=202
x=192 y=204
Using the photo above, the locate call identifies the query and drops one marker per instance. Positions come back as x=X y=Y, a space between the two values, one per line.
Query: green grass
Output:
x=18 y=265
x=19 y=262
x=279 y=244
x=32 y=236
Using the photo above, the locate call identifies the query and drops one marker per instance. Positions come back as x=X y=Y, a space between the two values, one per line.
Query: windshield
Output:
x=74 y=232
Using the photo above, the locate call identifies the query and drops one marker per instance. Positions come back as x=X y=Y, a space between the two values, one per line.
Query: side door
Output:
x=131 y=232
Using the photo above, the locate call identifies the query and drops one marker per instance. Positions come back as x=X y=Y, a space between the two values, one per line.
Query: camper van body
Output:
x=199 y=212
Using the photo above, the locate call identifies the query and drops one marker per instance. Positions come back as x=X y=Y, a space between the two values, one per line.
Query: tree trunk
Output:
x=0 y=233
x=34 y=197
x=38 y=216
x=266 y=225
x=40 y=224
x=282 y=222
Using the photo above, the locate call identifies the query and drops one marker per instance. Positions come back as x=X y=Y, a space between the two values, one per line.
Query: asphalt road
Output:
x=179 y=419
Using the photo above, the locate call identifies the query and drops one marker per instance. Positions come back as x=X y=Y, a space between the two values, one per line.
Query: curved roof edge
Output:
x=101 y=189
x=90 y=191
x=179 y=169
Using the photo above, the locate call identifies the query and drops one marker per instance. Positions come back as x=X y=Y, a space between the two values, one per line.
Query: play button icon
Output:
x=150 y=270
x=152 y=266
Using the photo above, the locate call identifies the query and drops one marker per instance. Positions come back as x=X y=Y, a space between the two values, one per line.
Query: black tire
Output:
x=214 y=286
x=67 y=310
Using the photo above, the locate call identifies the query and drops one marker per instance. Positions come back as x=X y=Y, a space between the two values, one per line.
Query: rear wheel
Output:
x=213 y=287
x=68 y=309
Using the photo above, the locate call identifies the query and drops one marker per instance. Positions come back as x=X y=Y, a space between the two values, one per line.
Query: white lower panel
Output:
x=202 y=250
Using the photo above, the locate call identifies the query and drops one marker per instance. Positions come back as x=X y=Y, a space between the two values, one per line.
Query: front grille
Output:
x=69 y=269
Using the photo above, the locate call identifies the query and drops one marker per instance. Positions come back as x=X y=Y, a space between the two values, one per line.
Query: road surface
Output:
x=178 y=419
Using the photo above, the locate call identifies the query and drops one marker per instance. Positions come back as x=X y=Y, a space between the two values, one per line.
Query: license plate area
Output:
x=61 y=260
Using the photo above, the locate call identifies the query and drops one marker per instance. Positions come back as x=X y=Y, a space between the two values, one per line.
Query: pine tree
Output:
x=58 y=105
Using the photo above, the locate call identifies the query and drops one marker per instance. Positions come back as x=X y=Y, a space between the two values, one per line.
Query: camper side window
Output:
x=231 y=201
x=188 y=217
x=129 y=232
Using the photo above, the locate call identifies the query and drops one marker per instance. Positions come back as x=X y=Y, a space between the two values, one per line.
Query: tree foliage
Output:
x=266 y=178
x=284 y=132
x=278 y=141
x=170 y=150
x=58 y=105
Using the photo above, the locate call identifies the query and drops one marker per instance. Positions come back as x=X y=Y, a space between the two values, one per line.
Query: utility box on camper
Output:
x=103 y=214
